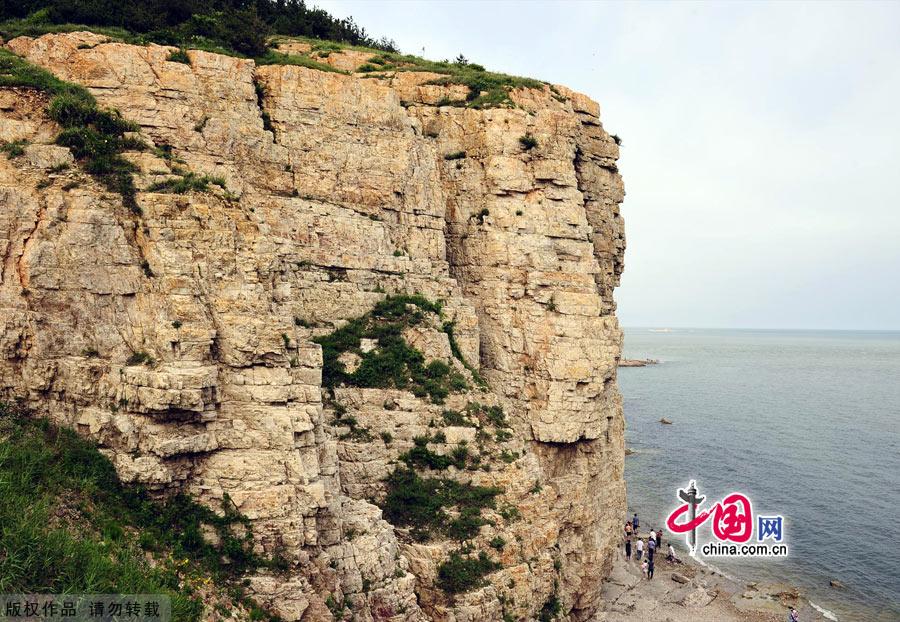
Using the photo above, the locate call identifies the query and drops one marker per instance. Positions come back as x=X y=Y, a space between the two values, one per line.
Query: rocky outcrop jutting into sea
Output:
x=182 y=338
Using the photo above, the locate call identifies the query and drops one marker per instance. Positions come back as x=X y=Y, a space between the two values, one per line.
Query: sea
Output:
x=806 y=424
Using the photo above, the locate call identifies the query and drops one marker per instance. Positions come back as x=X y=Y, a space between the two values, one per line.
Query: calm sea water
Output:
x=806 y=423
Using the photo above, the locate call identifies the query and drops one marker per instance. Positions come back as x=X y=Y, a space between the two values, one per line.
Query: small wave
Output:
x=715 y=569
x=828 y=614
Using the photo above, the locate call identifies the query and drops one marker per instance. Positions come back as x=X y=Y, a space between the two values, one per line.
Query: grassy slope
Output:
x=67 y=524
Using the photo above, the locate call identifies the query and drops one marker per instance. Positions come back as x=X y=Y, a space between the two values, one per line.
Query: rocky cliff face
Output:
x=184 y=339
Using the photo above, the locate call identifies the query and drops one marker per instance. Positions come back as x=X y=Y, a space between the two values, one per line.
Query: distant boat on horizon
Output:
x=660 y=330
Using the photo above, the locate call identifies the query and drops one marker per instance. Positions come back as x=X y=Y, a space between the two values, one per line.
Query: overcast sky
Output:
x=761 y=150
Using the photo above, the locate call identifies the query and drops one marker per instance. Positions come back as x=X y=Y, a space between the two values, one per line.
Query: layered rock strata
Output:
x=182 y=339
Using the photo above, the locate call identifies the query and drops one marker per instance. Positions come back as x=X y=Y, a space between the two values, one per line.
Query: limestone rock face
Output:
x=338 y=192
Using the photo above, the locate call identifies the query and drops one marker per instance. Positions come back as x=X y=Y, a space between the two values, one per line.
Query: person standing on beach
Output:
x=793 y=616
x=652 y=534
x=659 y=539
x=628 y=549
x=651 y=549
x=628 y=529
x=644 y=566
x=671 y=556
x=650 y=568
x=640 y=549
x=635 y=523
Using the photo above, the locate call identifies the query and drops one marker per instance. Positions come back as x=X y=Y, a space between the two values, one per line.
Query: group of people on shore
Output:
x=645 y=549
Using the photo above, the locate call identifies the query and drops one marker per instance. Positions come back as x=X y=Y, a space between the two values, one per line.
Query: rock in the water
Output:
x=665 y=421
x=637 y=362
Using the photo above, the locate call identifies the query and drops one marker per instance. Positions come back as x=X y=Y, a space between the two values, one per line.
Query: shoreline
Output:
x=692 y=590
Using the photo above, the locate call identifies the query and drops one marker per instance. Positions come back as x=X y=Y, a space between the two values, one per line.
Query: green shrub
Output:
x=456 y=418
x=508 y=456
x=421 y=456
x=551 y=609
x=466 y=525
x=497 y=542
x=461 y=574
x=140 y=358
x=488 y=415
x=186 y=183
x=528 y=142
x=509 y=513
x=179 y=56
x=394 y=363
x=413 y=501
x=13 y=149
x=357 y=432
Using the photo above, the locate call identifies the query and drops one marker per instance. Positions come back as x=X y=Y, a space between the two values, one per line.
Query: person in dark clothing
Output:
x=628 y=548
x=635 y=523
x=650 y=568
x=659 y=539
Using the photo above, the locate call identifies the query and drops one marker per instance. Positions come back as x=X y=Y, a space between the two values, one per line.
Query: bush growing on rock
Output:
x=461 y=574
x=394 y=363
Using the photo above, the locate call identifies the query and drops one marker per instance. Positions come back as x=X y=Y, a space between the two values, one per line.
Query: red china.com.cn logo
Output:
x=732 y=526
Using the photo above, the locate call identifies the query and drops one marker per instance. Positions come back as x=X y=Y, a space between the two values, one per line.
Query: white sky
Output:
x=761 y=148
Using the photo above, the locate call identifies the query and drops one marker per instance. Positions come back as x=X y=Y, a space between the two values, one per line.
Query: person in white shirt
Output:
x=671 y=553
x=639 y=545
x=652 y=534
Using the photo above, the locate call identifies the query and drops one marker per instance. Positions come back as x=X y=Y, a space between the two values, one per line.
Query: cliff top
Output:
x=282 y=35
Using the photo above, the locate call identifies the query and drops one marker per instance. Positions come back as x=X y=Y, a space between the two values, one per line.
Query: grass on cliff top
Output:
x=486 y=88
x=245 y=37
x=68 y=525
x=393 y=363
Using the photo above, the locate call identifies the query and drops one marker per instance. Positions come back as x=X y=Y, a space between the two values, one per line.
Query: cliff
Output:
x=187 y=336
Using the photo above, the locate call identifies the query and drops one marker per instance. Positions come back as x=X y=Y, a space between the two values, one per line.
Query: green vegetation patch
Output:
x=67 y=524
x=421 y=456
x=187 y=182
x=550 y=609
x=449 y=328
x=463 y=573
x=393 y=363
x=422 y=504
x=528 y=142
x=179 y=56
x=492 y=415
x=95 y=136
x=241 y=28
x=13 y=149
x=301 y=60
x=486 y=89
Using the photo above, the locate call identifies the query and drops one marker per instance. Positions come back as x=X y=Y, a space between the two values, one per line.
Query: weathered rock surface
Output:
x=346 y=197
